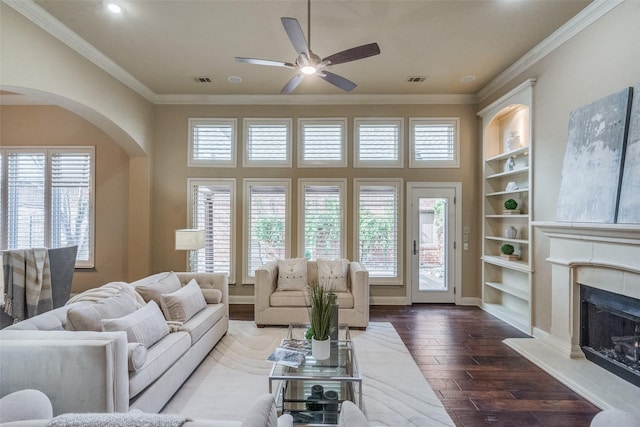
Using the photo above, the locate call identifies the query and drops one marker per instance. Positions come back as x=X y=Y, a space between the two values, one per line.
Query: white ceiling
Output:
x=164 y=44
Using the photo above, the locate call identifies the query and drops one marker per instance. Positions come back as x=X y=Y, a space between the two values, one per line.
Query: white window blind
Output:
x=323 y=221
x=378 y=143
x=267 y=142
x=322 y=143
x=267 y=222
x=212 y=211
x=71 y=183
x=212 y=142
x=434 y=143
x=378 y=229
x=48 y=199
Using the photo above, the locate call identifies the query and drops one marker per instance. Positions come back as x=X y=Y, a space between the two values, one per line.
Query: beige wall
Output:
x=170 y=173
x=600 y=60
x=54 y=126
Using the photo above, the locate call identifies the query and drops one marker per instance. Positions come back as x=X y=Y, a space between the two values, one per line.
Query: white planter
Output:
x=320 y=350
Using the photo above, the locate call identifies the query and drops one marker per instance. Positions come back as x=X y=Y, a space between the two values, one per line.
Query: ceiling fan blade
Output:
x=337 y=80
x=294 y=31
x=360 y=52
x=292 y=84
x=269 y=62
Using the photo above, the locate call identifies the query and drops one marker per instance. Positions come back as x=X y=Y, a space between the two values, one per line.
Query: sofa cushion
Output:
x=299 y=299
x=146 y=325
x=162 y=284
x=183 y=304
x=136 y=355
x=212 y=296
x=262 y=413
x=160 y=357
x=352 y=416
x=292 y=274
x=332 y=274
x=87 y=317
x=199 y=324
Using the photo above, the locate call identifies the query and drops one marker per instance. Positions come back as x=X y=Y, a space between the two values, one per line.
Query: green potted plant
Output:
x=507 y=251
x=320 y=319
x=511 y=207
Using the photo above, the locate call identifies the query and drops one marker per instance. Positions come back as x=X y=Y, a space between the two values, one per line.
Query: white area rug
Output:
x=395 y=393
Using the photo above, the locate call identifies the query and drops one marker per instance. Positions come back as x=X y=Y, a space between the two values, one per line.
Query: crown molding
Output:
x=43 y=19
x=314 y=99
x=587 y=16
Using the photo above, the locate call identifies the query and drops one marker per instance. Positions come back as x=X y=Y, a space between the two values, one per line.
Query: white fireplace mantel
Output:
x=604 y=256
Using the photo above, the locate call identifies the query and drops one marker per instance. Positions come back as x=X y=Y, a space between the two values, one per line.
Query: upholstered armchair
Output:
x=280 y=296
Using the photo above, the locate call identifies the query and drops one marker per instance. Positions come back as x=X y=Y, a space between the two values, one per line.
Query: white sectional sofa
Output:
x=91 y=371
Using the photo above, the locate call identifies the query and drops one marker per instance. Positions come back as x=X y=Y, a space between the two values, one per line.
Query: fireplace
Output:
x=610 y=331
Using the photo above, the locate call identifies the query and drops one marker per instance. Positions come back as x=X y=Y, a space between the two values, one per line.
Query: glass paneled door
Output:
x=432 y=239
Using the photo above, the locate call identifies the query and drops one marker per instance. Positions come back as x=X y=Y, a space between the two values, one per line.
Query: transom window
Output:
x=378 y=142
x=267 y=142
x=322 y=222
x=434 y=142
x=322 y=143
x=47 y=199
x=212 y=210
x=377 y=213
x=212 y=142
x=267 y=223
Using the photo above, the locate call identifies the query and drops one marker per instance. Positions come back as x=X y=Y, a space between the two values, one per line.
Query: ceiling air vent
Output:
x=416 y=79
x=202 y=79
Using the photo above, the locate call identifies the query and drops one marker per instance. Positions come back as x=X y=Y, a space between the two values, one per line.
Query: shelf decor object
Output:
x=507 y=250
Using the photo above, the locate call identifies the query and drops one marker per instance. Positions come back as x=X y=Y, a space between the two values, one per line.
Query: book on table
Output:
x=287 y=357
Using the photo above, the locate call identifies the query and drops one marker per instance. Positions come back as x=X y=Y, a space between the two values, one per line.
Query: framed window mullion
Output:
x=267 y=142
x=322 y=142
x=434 y=142
x=379 y=142
x=212 y=142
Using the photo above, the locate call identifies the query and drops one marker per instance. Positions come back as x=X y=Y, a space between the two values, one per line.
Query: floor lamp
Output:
x=190 y=240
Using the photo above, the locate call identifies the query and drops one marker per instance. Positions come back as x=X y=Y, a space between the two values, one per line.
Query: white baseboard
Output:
x=388 y=300
x=241 y=299
x=470 y=301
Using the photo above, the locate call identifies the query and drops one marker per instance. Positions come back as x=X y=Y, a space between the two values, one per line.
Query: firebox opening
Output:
x=610 y=332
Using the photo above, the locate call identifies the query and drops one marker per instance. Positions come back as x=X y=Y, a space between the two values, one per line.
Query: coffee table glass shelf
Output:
x=313 y=393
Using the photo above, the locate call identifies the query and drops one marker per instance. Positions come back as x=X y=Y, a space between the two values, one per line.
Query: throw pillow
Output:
x=292 y=274
x=332 y=274
x=352 y=416
x=153 y=291
x=145 y=326
x=212 y=296
x=87 y=317
x=136 y=355
x=262 y=413
x=183 y=304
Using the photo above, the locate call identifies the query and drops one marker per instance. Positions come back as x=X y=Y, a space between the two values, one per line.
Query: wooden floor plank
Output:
x=479 y=379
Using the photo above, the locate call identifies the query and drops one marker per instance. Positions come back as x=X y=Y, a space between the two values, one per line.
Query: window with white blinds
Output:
x=322 y=222
x=267 y=142
x=212 y=142
x=49 y=199
x=434 y=142
x=378 y=222
x=378 y=143
x=266 y=223
x=212 y=203
x=322 y=142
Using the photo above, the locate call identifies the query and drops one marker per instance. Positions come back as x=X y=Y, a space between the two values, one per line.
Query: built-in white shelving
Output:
x=507 y=171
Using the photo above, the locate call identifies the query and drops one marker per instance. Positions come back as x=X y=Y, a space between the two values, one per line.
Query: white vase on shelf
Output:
x=510 y=232
x=512 y=142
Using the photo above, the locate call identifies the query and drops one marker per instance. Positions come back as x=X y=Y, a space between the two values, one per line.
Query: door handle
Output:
x=415 y=249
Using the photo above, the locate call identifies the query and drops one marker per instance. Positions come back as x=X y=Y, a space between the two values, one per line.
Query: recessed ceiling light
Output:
x=467 y=79
x=114 y=7
x=234 y=79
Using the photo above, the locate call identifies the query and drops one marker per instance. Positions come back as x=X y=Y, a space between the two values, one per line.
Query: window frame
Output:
x=341 y=183
x=342 y=162
x=222 y=182
x=258 y=182
x=418 y=163
x=249 y=163
x=230 y=163
x=358 y=183
x=383 y=163
x=49 y=152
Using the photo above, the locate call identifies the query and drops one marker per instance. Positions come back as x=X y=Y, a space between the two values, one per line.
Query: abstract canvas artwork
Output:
x=592 y=165
x=629 y=206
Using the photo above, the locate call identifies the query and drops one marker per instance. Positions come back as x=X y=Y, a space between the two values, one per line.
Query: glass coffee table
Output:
x=313 y=392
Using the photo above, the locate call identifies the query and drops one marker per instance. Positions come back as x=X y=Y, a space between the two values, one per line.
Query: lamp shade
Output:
x=189 y=239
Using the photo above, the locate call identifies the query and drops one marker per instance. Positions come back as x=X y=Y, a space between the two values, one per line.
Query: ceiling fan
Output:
x=308 y=63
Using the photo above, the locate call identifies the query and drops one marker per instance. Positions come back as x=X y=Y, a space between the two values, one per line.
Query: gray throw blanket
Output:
x=26 y=282
x=131 y=419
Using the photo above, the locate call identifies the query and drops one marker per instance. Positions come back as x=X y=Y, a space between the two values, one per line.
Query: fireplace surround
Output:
x=604 y=257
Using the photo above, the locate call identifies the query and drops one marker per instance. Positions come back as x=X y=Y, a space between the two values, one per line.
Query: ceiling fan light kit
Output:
x=308 y=63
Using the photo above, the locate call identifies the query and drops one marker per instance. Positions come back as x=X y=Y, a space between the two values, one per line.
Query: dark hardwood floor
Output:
x=479 y=379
